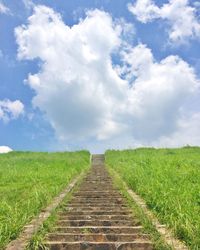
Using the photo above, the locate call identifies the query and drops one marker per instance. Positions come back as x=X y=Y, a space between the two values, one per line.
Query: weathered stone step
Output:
x=137 y=245
x=82 y=199
x=101 y=212
x=90 y=181
x=97 y=196
x=96 y=188
x=109 y=209
x=100 y=229
x=97 y=203
x=103 y=192
x=93 y=205
x=107 y=223
x=96 y=237
x=99 y=179
x=97 y=182
x=97 y=200
x=95 y=217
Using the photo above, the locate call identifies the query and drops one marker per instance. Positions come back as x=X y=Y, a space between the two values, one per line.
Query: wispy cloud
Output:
x=181 y=18
x=10 y=110
x=4 y=9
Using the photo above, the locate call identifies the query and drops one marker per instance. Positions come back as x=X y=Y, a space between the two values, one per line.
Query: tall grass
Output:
x=29 y=181
x=169 y=182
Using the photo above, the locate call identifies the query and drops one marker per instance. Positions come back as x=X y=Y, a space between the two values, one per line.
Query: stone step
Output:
x=96 y=188
x=107 y=223
x=93 y=205
x=97 y=196
x=95 y=217
x=100 y=192
x=92 y=208
x=109 y=209
x=100 y=180
x=104 y=180
x=102 y=199
x=99 y=229
x=77 y=203
x=96 y=200
x=136 y=245
x=66 y=237
x=101 y=212
x=97 y=184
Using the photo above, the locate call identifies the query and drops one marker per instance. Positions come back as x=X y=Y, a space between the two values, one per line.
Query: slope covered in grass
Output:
x=169 y=182
x=29 y=181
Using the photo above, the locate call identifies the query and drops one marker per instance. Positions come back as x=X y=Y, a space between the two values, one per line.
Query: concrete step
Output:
x=98 y=206
x=101 y=212
x=99 y=229
x=94 y=192
x=98 y=195
x=96 y=188
x=66 y=237
x=107 y=223
x=97 y=201
x=95 y=217
x=137 y=245
x=92 y=208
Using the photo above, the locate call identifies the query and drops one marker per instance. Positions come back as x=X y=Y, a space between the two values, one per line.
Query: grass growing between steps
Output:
x=28 y=183
x=169 y=181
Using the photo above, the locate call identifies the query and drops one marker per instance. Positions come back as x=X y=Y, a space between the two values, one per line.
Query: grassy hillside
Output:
x=169 y=182
x=29 y=181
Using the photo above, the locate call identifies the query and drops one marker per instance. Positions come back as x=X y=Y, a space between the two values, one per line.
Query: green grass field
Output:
x=29 y=181
x=169 y=182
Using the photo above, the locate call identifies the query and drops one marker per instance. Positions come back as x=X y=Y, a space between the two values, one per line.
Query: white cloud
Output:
x=159 y=91
x=181 y=17
x=29 y=5
x=81 y=92
x=186 y=134
x=77 y=85
x=10 y=110
x=4 y=9
x=5 y=149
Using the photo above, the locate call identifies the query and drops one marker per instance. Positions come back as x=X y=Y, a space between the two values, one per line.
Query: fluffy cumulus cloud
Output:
x=159 y=90
x=5 y=149
x=182 y=18
x=4 y=9
x=187 y=133
x=77 y=85
x=85 y=96
x=10 y=110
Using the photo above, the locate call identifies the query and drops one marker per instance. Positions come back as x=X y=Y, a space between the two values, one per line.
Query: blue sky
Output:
x=99 y=74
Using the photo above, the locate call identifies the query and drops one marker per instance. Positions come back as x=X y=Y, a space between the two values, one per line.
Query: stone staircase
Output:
x=97 y=217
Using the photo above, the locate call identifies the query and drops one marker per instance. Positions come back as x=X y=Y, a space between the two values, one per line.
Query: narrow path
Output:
x=97 y=217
